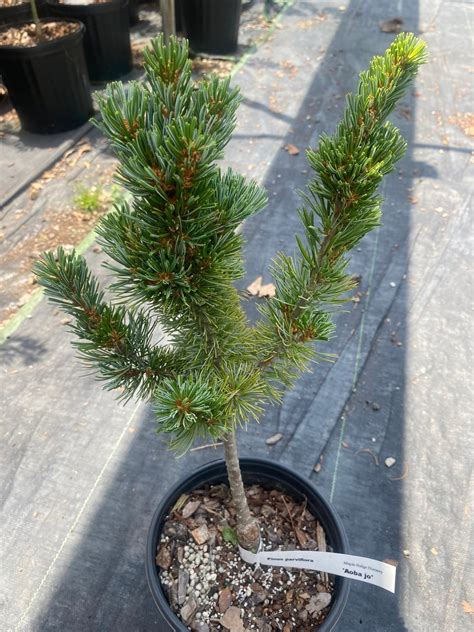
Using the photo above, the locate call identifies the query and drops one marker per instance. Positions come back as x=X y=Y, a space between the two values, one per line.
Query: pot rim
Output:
x=42 y=46
x=250 y=466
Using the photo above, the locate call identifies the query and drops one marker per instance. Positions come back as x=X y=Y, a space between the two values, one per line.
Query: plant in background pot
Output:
x=176 y=252
x=44 y=70
x=107 y=38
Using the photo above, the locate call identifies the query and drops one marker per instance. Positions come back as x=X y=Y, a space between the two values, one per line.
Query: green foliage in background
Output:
x=88 y=199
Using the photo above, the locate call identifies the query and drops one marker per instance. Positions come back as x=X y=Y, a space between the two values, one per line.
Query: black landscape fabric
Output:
x=83 y=475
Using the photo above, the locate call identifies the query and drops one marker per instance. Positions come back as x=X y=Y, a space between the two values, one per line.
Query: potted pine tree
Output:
x=44 y=70
x=175 y=252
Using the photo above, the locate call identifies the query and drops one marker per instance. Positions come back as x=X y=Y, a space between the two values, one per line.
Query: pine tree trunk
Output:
x=248 y=529
x=36 y=20
x=168 y=18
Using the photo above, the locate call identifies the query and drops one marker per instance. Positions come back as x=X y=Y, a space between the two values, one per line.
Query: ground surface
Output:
x=82 y=475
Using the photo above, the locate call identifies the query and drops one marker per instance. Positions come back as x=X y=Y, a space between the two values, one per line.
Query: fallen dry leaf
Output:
x=391 y=562
x=35 y=189
x=254 y=287
x=82 y=149
x=468 y=609
x=274 y=439
x=69 y=152
x=262 y=291
x=309 y=23
x=292 y=149
x=394 y=25
x=232 y=621
x=267 y=291
x=465 y=122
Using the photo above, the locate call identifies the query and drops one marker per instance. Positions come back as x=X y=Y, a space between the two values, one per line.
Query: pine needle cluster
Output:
x=174 y=251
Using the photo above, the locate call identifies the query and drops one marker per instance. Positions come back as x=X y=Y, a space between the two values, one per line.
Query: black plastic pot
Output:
x=107 y=39
x=22 y=12
x=212 y=26
x=269 y=474
x=178 y=16
x=48 y=84
x=133 y=12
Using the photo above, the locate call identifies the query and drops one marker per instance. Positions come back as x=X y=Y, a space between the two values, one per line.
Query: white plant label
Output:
x=362 y=569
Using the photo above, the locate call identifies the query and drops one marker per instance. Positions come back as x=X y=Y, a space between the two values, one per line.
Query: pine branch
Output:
x=340 y=208
x=208 y=402
x=176 y=247
x=114 y=342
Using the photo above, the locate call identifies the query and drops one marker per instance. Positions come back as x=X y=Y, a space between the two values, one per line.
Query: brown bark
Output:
x=248 y=529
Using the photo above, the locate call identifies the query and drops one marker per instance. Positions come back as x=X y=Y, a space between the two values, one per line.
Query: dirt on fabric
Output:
x=48 y=217
x=212 y=589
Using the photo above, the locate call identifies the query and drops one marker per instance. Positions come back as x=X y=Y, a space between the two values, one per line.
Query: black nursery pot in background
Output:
x=212 y=26
x=272 y=476
x=48 y=84
x=133 y=12
x=22 y=12
x=178 y=15
x=107 y=39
